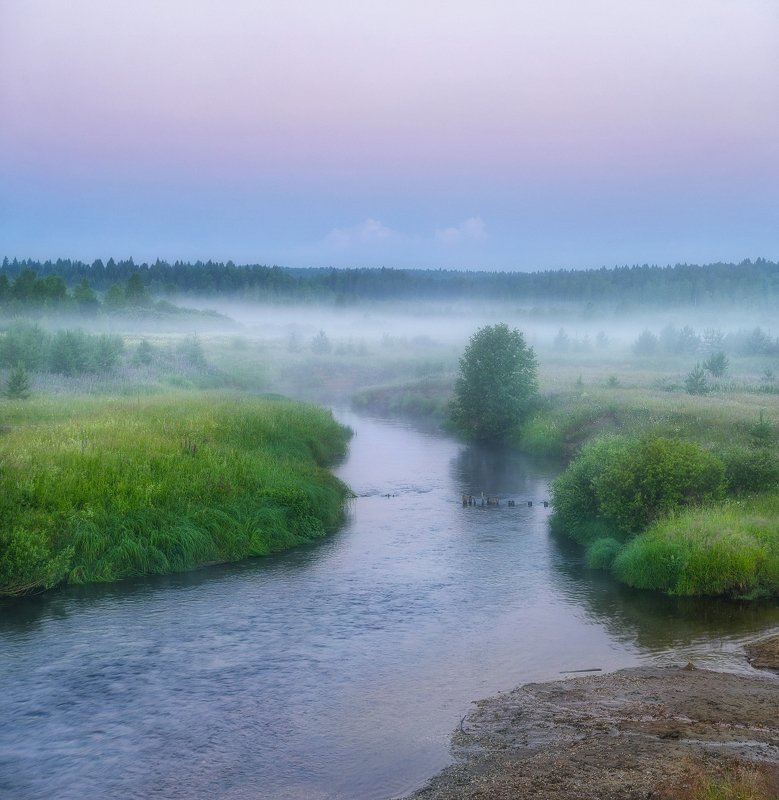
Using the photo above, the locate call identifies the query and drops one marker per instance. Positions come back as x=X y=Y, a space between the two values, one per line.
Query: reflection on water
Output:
x=338 y=670
x=709 y=631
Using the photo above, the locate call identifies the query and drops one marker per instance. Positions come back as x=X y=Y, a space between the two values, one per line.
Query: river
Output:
x=339 y=670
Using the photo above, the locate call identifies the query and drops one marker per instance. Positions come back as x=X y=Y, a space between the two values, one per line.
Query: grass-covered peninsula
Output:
x=95 y=488
x=672 y=492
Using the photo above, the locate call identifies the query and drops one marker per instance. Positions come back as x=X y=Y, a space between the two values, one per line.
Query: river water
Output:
x=339 y=670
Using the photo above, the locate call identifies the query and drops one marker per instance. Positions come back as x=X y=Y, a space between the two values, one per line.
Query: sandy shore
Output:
x=637 y=733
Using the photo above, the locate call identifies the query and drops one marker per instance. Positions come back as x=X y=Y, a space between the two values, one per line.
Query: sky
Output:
x=496 y=135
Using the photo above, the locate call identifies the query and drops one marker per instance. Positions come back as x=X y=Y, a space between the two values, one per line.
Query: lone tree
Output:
x=695 y=382
x=18 y=387
x=497 y=381
x=716 y=364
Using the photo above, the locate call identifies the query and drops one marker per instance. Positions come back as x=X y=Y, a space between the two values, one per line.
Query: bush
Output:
x=679 y=341
x=695 y=382
x=750 y=469
x=28 y=564
x=144 y=354
x=69 y=352
x=320 y=344
x=762 y=432
x=74 y=352
x=602 y=552
x=574 y=497
x=650 y=477
x=191 y=351
x=18 y=387
x=716 y=364
x=24 y=344
x=106 y=350
x=646 y=344
x=628 y=483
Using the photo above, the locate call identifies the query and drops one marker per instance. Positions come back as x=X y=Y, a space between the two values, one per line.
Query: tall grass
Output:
x=103 y=489
x=732 y=549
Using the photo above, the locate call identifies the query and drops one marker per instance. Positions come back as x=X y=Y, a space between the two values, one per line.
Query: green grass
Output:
x=732 y=549
x=101 y=489
x=565 y=420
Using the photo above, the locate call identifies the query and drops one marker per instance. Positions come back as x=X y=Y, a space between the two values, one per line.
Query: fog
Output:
x=330 y=352
x=453 y=322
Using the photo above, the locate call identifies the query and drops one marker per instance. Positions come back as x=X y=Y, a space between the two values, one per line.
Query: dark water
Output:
x=337 y=671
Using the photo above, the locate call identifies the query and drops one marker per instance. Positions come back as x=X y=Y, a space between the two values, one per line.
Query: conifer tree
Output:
x=18 y=387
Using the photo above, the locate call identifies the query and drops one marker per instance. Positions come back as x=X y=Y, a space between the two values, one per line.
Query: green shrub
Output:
x=106 y=350
x=602 y=552
x=145 y=352
x=625 y=484
x=18 y=386
x=695 y=382
x=574 y=497
x=25 y=344
x=646 y=344
x=762 y=432
x=70 y=353
x=647 y=478
x=27 y=563
x=191 y=351
x=750 y=469
x=716 y=364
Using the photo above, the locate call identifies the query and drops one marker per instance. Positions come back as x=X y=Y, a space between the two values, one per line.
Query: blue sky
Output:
x=492 y=135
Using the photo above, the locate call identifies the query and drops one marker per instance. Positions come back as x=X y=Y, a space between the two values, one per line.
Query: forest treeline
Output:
x=68 y=281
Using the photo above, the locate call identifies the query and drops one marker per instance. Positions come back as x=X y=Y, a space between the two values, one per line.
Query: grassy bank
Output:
x=669 y=492
x=731 y=549
x=100 y=489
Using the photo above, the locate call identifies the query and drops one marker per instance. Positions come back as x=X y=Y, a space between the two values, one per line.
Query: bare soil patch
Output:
x=764 y=654
x=647 y=732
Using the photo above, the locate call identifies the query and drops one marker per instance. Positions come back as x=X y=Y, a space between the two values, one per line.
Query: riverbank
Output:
x=671 y=733
x=98 y=489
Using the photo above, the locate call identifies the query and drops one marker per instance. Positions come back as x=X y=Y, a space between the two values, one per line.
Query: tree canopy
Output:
x=497 y=381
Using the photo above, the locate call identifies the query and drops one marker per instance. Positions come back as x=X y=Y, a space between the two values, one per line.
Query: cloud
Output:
x=471 y=230
x=368 y=232
x=372 y=243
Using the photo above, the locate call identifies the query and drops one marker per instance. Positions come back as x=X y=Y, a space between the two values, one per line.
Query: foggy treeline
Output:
x=45 y=283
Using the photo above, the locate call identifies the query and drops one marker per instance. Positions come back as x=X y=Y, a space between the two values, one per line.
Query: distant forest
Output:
x=47 y=283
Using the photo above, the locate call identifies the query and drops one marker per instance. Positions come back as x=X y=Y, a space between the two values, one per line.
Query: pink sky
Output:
x=287 y=122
